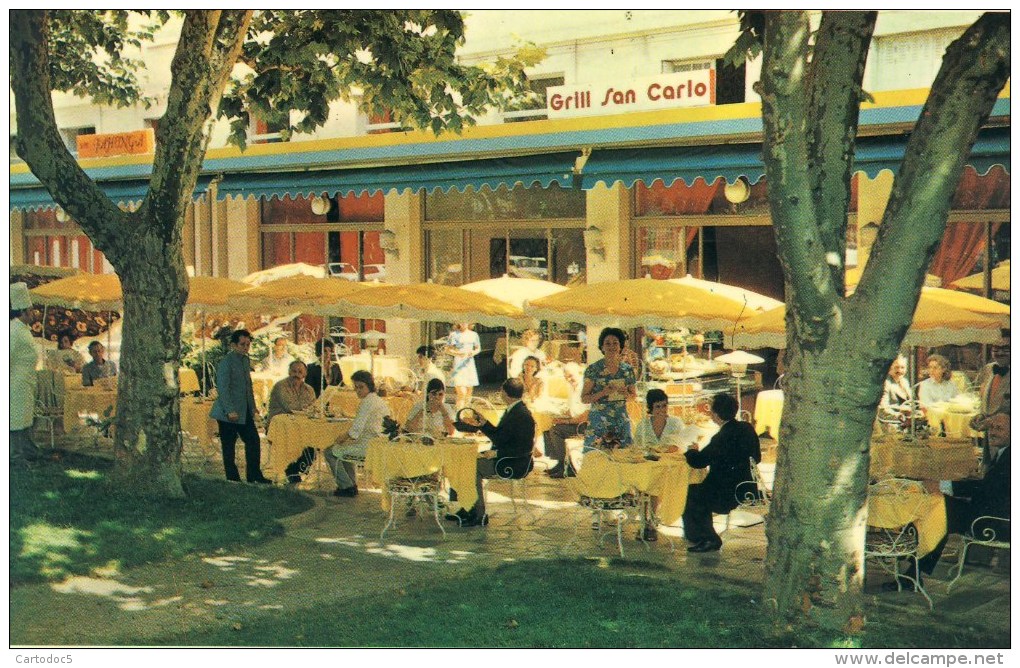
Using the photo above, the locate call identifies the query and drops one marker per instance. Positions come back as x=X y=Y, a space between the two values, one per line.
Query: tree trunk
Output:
x=815 y=563
x=147 y=438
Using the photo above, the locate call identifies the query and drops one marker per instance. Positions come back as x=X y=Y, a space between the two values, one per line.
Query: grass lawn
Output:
x=563 y=603
x=66 y=520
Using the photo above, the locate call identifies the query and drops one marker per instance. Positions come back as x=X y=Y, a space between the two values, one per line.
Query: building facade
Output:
x=640 y=156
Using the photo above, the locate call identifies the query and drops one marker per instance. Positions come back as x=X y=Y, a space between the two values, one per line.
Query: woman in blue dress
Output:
x=608 y=384
x=463 y=344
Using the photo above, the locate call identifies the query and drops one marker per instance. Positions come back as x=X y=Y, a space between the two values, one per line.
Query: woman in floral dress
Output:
x=608 y=384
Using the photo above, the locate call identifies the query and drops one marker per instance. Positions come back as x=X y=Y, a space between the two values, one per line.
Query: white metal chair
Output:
x=887 y=546
x=617 y=508
x=508 y=473
x=419 y=492
x=47 y=404
x=985 y=530
x=195 y=457
x=754 y=494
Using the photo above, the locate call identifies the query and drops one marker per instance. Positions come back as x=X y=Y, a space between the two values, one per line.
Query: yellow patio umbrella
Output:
x=210 y=293
x=1000 y=279
x=754 y=300
x=973 y=303
x=639 y=302
x=302 y=293
x=433 y=302
x=88 y=292
x=285 y=271
x=935 y=323
x=515 y=290
x=852 y=276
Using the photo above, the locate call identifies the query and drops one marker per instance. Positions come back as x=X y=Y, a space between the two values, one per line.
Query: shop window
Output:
x=909 y=60
x=445 y=257
x=266 y=132
x=382 y=122
x=729 y=80
x=505 y=204
x=533 y=106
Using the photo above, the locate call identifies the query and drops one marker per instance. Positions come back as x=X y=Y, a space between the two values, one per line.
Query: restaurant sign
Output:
x=120 y=143
x=662 y=91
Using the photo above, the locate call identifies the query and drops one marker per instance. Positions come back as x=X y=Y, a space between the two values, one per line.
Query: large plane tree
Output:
x=839 y=347
x=285 y=67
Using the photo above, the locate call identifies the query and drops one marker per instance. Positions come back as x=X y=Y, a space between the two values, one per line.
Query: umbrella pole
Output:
x=109 y=330
x=506 y=353
x=201 y=332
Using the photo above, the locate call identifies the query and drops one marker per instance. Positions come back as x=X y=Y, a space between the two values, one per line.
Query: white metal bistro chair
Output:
x=887 y=546
x=420 y=493
x=985 y=530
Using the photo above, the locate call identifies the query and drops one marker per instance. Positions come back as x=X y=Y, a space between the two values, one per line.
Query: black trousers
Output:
x=556 y=444
x=698 y=516
x=960 y=514
x=485 y=468
x=229 y=432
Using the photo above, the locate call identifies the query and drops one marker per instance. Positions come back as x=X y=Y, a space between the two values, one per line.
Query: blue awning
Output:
x=543 y=170
x=647 y=165
x=119 y=192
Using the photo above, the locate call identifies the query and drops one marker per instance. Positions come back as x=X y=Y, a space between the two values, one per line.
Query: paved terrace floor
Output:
x=334 y=550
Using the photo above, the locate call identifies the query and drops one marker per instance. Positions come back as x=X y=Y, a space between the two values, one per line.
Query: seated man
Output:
x=324 y=351
x=290 y=395
x=427 y=369
x=99 y=367
x=971 y=500
x=512 y=440
x=728 y=455
x=568 y=426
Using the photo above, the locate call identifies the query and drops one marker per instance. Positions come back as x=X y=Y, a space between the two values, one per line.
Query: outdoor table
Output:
x=195 y=420
x=455 y=458
x=924 y=459
x=605 y=476
x=890 y=511
x=289 y=434
x=768 y=409
x=261 y=386
x=86 y=400
x=952 y=418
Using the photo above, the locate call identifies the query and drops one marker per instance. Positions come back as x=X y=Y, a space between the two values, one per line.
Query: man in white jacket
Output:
x=24 y=358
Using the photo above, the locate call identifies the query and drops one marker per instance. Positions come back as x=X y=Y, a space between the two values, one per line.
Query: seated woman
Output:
x=290 y=395
x=728 y=457
x=937 y=386
x=531 y=340
x=65 y=357
x=533 y=385
x=608 y=383
x=368 y=424
x=660 y=429
x=431 y=416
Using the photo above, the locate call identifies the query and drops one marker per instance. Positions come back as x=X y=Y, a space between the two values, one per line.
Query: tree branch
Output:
x=811 y=290
x=208 y=48
x=835 y=92
x=974 y=70
x=39 y=142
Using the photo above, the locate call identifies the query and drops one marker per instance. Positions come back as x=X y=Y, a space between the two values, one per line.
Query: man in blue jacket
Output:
x=235 y=410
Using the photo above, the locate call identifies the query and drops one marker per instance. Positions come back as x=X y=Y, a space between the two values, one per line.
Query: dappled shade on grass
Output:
x=66 y=519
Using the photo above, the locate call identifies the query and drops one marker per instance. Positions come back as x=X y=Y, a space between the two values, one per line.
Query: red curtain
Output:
x=961 y=247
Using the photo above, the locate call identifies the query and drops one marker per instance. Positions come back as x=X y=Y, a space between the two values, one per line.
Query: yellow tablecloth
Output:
x=342 y=401
x=930 y=459
x=955 y=424
x=261 y=386
x=196 y=421
x=86 y=400
x=188 y=380
x=928 y=513
x=603 y=476
x=291 y=434
x=455 y=458
x=768 y=409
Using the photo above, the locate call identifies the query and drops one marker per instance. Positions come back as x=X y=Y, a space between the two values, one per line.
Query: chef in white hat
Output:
x=24 y=358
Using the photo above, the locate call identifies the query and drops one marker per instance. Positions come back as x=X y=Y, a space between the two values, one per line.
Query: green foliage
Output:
x=749 y=42
x=67 y=519
x=88 y=53
x=401 y=62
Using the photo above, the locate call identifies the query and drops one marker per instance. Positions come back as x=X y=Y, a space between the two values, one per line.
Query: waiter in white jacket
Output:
x=24 y=358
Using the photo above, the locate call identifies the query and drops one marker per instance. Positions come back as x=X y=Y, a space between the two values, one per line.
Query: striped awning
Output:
x=119 y=192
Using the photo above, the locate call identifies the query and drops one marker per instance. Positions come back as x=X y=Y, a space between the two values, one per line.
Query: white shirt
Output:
x=432 y=423
x=367 y=421
x=24 y=358
x=676 y=432
x=929 y=392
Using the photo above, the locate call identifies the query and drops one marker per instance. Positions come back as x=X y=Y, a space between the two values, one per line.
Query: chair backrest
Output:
x=514 y=468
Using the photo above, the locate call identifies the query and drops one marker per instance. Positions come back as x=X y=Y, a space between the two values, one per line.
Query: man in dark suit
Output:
x=324 y=350
x=235 y=410
x=988 y=497
x=510 y=457
x=728 y=454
